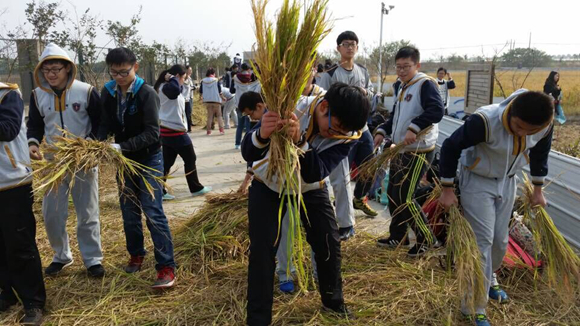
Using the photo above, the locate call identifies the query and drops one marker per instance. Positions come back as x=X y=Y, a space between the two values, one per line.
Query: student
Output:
x=493 y=146
x=130 y=113
x=418 y=106
x=174 y=138
x=229 y=104
x=62 y=102
x=20 y=265
x=445 y=86
x=237 y=59
x=351 y=73
x=210 y=91
x=325 y=131
x=552 y=88
x=187 y=93
x=243 y=81
x=319 y=71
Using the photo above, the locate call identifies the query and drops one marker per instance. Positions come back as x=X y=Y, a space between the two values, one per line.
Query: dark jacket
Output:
x=136 y=127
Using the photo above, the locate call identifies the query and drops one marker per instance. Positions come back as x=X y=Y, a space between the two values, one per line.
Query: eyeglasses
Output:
x=331 y=131
x=54 y=71
x=403 y=68
x=348 y=45
x=122 y=73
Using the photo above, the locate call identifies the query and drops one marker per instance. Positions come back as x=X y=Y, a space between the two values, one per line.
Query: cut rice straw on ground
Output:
x=464 y=255
x=284 y=56
x=369 y=169
x=217 y=231
x=69 y=156
x=561 y=264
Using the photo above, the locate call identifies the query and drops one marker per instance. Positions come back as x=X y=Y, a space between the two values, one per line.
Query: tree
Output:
x=525 y=57
x=43 y=17
x=126 y=35
x=389 y=50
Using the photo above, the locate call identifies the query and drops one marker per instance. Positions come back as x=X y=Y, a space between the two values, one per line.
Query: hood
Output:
x=111 y=86
x=53 y=51
x=244 y=77
x=208 y=80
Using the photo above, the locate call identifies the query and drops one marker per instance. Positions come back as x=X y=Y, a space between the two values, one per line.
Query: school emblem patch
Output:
x=408 y=97
x=76 y=107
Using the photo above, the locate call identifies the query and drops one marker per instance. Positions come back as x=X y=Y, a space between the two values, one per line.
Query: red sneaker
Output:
x=165 y=278
x=134 y=264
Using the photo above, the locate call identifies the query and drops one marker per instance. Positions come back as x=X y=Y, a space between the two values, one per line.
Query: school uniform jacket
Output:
x=76 y=109
x=14 y=158
x=172 y=106
x=418 y=106
x=241 y=87
x=444 y=87
x=321 y=155
x=210 y=89
x=486 y=146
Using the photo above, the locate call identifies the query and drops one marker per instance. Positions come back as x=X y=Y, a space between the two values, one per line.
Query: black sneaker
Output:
x=391 y=242
x=342 y=311
x=96 y=270
x=5 y=304
x=346 y=233
x=417 y=250
x=32 y=316
x=54 y=268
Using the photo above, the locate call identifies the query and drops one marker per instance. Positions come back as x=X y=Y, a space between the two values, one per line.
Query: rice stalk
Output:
x=561 y=264
x=464 y=254
x=284 y=56
x=69 y=156
x=369 y=170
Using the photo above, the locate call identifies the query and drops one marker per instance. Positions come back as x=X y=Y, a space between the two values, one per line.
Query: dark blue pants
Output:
x=361 y=152
x=135 y=199
x=243 y=126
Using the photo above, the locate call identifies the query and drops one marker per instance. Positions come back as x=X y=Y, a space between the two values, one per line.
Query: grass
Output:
x=512 y=80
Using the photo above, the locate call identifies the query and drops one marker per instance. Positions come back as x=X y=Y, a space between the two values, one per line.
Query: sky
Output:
x=441 y=27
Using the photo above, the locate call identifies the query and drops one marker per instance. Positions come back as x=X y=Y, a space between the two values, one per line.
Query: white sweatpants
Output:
x=85 y=196
x=340 y=181
x=488 y=204
x=230 y=112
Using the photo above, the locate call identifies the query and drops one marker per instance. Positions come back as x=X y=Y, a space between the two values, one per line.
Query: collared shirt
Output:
x=122 y=101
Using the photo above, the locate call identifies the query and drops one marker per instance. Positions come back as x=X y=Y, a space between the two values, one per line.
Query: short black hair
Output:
x=245 y=66
x=410 y=52
x=249 y=100
x=235 y=66
x=535 y=108
x=320 y=68
x=441 y=69
x=53 y=61
x=349 y=105
x=119 y=56
x=346 y=36
x=210 y=71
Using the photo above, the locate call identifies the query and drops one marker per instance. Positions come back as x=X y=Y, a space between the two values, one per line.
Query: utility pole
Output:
x=384 y=11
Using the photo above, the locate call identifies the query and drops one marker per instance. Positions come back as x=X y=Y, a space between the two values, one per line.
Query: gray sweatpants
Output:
x=282 y=263
x=487 y=204
x=340 y=181
x=85 y=196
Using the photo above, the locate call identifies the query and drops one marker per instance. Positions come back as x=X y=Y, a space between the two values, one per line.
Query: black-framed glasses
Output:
x=333 y=131
x=348 y=45
x=54 y=71
x=122 y=73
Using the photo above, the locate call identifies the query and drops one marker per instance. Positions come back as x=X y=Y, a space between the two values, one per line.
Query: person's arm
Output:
x=433 y=108
x=325 y=80
x=315 y=166
x=219 y=87
x=35 y=124
x=95 y=111
x=471 y=133
x=254 y=147
x=450 y=84
x=539 y=158
x=150 y=134
x=171 y=89
x=11 y=112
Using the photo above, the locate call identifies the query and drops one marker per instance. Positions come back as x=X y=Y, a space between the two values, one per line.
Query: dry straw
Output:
x=284 y=56
x=464 y=255
x=69 y=156
x=561 y=264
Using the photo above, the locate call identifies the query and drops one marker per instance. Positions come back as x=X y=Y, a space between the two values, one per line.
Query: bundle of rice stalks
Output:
x=284 y=56
x=464 y=255
x=561 y=263
x=368 y=170
x=217 y=232
x=198 y=113
x=68 y=156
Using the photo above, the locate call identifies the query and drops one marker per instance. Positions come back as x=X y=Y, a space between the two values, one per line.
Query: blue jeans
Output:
x=243 y=123
x=361 y=152
x=135 y=199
